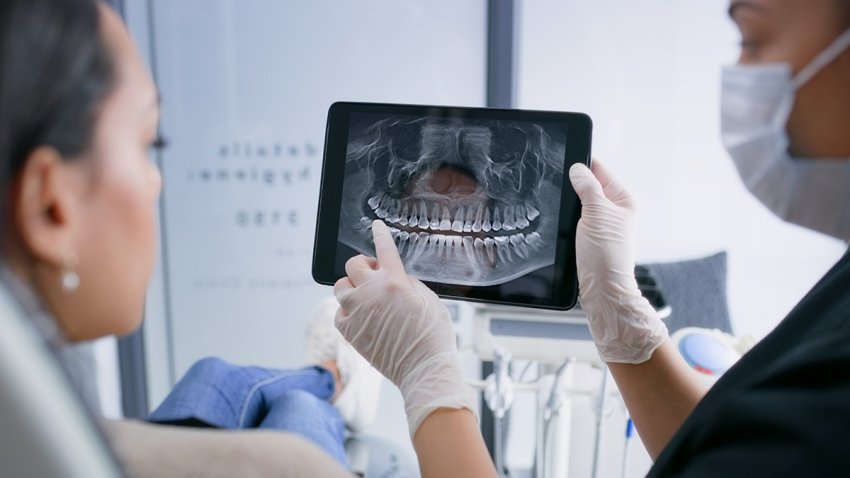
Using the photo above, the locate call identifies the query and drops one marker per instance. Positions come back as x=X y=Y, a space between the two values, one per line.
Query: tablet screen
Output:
x=477 y=200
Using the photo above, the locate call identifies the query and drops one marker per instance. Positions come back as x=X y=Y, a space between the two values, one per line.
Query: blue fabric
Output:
x=219 y=394
x=696 y=292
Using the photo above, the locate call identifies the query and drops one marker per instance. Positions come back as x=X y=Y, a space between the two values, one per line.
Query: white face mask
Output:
x=756 y=101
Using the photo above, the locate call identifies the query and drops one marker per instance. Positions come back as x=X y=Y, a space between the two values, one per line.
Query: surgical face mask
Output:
x=756 y=101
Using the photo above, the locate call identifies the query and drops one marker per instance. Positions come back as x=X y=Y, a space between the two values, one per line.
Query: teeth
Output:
x=465 y=223
x=522 y=250
x=521 y=221
x=497 y=220
x=422 y=243
x=435 y=218
x=404 y=215
x=386 y=208
x=518 y=240
x=423 y=215
x=413 y=220
x=403 y=244
x=375 y=201
x=392 y=212
x=470 y=217
x=531 y=212
x=503 y=252
x=457 y=225
x=476 y=226
x=411 y=243
x=441 y=244
x=365 y=223
x=446 y=222
x=490 y=245
x=432 y=243
x=478 y=246
x=469 y=249
x=412 y=247
x=508 y=223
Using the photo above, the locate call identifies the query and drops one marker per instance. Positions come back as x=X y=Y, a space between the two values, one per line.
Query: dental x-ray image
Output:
x=472 y=202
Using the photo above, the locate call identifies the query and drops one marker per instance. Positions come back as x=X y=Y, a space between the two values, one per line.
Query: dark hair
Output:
x=55 y=71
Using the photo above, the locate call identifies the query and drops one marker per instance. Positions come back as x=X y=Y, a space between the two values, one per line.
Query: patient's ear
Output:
x=46 y=203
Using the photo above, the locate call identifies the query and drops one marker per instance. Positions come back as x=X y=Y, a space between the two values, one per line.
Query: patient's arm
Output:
x=448 y=443
x=164 y=451
x=659 y=393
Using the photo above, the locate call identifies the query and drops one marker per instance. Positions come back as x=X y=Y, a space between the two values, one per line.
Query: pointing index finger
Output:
x=385 y=250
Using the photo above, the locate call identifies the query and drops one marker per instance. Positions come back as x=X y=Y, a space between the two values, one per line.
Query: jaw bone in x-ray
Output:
x=470 y=203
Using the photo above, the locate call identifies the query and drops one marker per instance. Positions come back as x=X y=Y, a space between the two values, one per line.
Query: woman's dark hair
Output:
x=55 y=71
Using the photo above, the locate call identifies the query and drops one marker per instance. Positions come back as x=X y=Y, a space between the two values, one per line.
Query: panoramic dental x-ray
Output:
x=468 y=201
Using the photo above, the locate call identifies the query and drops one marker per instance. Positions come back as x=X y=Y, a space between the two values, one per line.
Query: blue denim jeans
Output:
x=219 y=394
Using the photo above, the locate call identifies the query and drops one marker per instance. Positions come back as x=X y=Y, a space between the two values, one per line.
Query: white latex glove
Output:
x=403 y=330
x=624 y=326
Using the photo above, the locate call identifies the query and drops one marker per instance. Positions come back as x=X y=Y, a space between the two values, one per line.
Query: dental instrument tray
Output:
x=478 y=200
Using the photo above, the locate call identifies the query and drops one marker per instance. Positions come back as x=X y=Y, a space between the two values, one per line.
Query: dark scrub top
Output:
x=784 y=408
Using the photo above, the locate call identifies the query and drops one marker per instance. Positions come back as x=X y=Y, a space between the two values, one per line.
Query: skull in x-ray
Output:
x=472 y=202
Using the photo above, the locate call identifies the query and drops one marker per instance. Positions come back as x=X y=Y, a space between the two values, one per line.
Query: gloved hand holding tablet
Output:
x=478 y=200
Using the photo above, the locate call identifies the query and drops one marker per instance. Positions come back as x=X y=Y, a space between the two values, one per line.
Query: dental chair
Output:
x=45 y=430
x=689 y=295
x=372 y=456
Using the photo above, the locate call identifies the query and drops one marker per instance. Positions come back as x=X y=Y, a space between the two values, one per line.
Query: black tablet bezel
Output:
x=564 y=283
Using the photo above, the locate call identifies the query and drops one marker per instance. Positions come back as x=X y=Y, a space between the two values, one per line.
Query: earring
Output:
x=70 y=279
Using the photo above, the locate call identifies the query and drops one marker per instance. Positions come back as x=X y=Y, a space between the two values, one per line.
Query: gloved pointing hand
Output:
x=401 y=327
x=624 y=326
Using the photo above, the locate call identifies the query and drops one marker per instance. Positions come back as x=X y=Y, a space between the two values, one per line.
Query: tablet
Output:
x=478 y=200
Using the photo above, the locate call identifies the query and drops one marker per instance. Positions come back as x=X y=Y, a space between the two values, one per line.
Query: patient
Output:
x=316 y=402
x=78 y=115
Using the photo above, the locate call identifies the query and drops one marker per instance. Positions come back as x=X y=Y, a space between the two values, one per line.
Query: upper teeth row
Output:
x=462 y=219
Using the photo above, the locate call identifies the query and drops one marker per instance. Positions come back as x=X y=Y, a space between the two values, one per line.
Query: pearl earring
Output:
x=70 y=279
